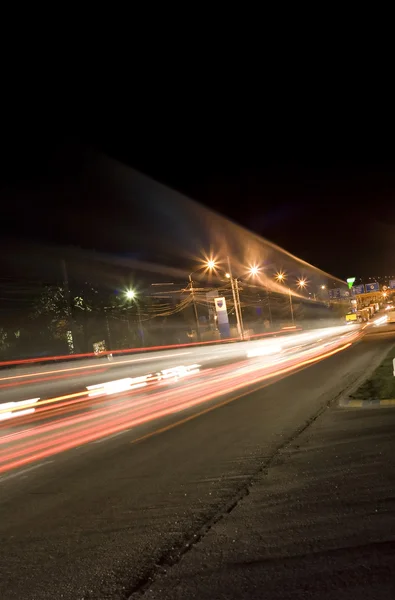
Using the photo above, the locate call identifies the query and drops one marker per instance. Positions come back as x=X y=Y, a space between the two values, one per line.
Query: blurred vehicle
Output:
x=365 y=314
x=361 y=316
x=352 y=318
x=391 y=316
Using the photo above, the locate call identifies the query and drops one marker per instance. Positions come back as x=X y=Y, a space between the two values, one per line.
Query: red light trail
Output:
x=65 y=422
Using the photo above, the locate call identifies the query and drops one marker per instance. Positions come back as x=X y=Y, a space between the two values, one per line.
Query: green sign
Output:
x=350 y=282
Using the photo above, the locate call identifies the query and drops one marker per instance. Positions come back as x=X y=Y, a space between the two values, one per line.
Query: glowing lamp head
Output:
x=130 y=294
x=302 y=283
x=211 y=264
x=227 y=275
x=254 y=270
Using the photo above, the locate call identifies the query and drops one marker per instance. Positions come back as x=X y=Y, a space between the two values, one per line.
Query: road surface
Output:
x=93 y=402
x=108 y=517
x=318 y=523
x=50 y=379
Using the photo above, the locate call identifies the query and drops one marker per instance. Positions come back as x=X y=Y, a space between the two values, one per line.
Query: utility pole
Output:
x=195 y=308
x=236 y=301
x=239 y=307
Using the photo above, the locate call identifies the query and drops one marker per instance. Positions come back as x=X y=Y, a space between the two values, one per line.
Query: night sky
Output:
x=325 y=197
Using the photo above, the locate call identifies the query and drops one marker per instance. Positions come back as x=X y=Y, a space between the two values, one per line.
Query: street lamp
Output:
x=254 y=270
x=131 y=295
x=211 y=264
x=194 y=305
x=236 y=300
x=302 y=283
x=280 y=276
x=323 y=287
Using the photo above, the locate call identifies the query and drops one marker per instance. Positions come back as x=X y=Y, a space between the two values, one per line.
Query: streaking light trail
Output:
x=61 y=423
x=10 y=410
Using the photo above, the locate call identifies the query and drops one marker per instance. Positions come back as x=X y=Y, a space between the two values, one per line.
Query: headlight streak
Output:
x=381 y=321
x=103 y=389
x=12 y=415
x=264 y=351
x=132 y=406
x=177 y=372
x=132 y=383
x=11 y=410
x=119 y=385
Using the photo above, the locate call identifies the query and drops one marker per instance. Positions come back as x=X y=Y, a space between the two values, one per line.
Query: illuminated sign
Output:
x=350 y=282
x=372 y=287
x=220 y=304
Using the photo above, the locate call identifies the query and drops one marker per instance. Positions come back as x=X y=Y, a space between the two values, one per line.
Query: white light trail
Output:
x=178 y=372
x=132 y=383
x=381 y=320
x=10 y=410
x=118 y=385
x=19 y=413
x=264 y=351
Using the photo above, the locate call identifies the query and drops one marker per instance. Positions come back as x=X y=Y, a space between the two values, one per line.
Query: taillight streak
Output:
x=101 y=422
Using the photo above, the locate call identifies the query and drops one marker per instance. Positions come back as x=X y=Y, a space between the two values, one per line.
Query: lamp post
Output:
x=269 y=307
x=291 y=305
x=302 y=283
x=236 y=301
x=131 y=295
x=254 y=270
x=195 y=308
x=280 y=276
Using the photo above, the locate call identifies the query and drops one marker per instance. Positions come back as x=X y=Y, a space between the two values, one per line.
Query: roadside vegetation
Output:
x=381 y=385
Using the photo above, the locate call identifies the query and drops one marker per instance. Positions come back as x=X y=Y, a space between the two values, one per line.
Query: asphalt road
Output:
x=108 y=519
x=319 y=522
x=54 y=379
x=41 y=427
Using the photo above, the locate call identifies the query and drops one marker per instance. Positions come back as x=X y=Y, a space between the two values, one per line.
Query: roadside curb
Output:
x=346 y=400
x=350 y=403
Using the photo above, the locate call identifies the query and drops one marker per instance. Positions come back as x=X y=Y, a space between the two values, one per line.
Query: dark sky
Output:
x=323 y=188
x=319 y=188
